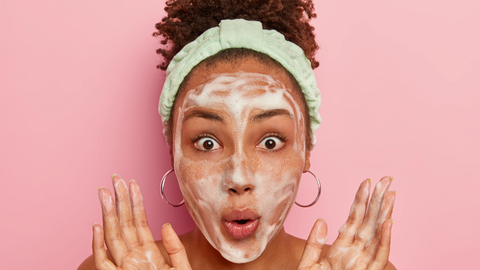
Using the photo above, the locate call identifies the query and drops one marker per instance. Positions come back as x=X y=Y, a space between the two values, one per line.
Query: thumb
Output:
x=314 y=246
x=174 y=248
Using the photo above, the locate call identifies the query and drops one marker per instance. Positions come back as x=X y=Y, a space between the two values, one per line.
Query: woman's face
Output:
x=239 y=152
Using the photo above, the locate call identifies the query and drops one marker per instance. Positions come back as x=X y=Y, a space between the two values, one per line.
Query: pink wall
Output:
x=79 y=89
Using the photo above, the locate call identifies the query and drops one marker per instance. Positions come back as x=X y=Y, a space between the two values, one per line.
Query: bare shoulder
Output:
x=87 y=264
x=390 y=266
x=296 y=246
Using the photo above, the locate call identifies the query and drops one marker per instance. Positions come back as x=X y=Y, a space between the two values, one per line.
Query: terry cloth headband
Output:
x=240 y=33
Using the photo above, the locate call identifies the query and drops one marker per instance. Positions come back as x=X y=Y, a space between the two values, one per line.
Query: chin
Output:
x=239 y=257
x=245 y=250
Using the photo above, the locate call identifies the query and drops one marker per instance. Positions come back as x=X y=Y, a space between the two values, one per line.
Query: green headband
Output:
x=240 y=33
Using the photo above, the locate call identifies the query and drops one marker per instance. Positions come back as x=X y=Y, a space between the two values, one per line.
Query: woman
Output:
x=240 y=107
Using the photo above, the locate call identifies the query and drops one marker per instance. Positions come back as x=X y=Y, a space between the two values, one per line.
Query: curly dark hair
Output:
x=188 y=19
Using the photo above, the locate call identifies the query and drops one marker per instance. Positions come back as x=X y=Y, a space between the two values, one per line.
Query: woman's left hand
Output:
x=363 y=242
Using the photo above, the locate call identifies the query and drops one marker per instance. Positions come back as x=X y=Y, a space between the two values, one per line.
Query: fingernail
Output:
x=167 y=224
x=93 y=225
x=369 y=180
x=100 y=188
x=131 y=181
x=391 y=177
x=391 y=220
x=395 y=193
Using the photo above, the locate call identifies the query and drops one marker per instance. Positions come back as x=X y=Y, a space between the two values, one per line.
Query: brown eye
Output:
x=207 y=144
x=271 y=143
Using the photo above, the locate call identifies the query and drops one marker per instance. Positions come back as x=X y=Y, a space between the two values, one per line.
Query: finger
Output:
x=99 y=253
x=381 y=257
x=385 y=214
x=174 y=248
x=315 y=242
x=367 y=230
x=124 y=212
x=113 y=237
x=357 y=213
x=139 y=217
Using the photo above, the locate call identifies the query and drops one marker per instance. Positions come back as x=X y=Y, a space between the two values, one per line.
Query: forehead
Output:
x=248 y=83
x=248 y=78
x=239 y=91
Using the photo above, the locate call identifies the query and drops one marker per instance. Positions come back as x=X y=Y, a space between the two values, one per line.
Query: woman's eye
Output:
x=271 y=143
x=207 y=144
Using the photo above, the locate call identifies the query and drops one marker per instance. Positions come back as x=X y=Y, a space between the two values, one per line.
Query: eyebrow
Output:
x=203 y=114
x=271 y=113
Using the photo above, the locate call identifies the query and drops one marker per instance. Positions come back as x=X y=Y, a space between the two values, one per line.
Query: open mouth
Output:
x=241 y=224
x=242 y=221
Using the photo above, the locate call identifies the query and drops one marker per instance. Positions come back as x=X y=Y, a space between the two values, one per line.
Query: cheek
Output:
x=201 y=186
x=200 y=182
x=279 y=185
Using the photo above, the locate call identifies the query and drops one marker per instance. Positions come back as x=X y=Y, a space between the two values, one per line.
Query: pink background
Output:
x=400 y=83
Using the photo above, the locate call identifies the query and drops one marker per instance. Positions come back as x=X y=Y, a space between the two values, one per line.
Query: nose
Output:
x=240 y=189
x=238 y=177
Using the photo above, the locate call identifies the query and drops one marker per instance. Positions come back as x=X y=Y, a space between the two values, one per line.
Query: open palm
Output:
x=364 y=241
x=127 y=236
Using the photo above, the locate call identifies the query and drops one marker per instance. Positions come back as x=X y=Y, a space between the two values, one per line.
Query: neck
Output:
x=279 y=254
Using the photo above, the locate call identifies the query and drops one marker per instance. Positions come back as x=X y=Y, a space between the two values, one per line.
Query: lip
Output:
x=241 y=224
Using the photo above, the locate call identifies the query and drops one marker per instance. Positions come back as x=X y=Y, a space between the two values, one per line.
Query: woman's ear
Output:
x=307 y=160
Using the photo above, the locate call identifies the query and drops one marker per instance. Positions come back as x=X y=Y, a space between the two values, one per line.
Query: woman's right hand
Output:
x=127 y=236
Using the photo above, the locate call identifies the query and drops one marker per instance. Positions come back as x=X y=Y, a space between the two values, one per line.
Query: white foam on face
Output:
x=205 y=183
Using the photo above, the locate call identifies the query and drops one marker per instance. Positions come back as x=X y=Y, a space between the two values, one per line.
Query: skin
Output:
x=363 y=242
